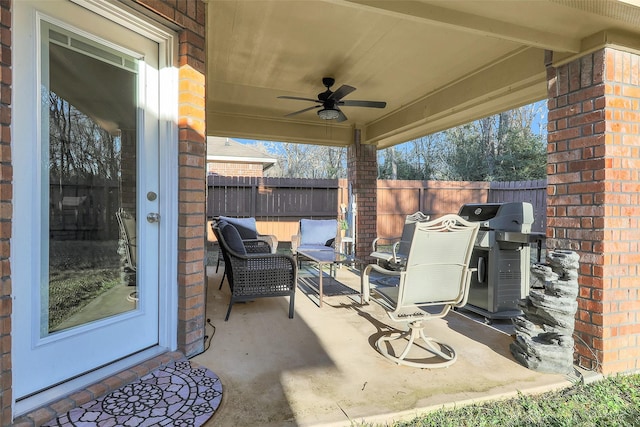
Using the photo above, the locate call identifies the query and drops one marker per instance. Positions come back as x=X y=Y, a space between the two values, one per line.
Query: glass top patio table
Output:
x=326 y=256
x=329 y=257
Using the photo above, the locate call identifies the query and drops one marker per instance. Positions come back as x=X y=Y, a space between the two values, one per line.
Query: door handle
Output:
x=153 y=217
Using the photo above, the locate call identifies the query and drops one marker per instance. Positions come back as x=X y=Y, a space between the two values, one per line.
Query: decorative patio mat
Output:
x=179 y=394
x=330 y=288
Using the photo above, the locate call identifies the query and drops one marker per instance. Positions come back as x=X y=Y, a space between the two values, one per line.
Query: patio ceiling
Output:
x=437 y=64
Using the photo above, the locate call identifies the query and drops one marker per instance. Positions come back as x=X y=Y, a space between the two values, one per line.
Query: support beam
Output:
x=475 y=24
x=253 y=127
x=516 y=80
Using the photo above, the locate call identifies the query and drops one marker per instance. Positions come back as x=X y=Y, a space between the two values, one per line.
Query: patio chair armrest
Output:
x=264 y=274
x=382 y=256
x=396 y=256
x=365 y=284
x=261 y=260
x=295 y=242
x=272 y=259
x=383 y=241
x=381 y=270
x=256 y=246
x=271 y=239
x=465 y=298
x=390 y=257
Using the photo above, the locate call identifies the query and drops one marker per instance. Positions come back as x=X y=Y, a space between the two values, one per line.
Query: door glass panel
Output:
x=89 y=132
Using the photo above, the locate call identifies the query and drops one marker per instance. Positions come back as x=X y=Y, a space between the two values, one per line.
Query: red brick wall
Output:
x=190 y=15
x=362 y=168
x=6 y=196
x=593 y=188
x=235 y=169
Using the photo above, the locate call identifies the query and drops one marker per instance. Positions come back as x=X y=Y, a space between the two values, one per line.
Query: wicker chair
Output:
x=254 y=275
x=251 y=246
x=248 y=229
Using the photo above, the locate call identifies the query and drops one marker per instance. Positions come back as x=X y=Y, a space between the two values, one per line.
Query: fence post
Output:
x=254 y=198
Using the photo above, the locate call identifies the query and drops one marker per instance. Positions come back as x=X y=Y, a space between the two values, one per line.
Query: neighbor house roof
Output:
x=221 y=149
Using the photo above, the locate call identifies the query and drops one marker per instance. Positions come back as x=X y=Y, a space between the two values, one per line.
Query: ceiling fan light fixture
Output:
x=330 y=101
x=328 y=114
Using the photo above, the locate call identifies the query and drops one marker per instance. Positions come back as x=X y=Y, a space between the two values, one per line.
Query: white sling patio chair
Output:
x=396 y=257
x=436 y=278
x=127 y=224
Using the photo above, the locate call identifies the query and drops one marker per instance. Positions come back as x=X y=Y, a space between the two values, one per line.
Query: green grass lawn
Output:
x=612 y=401
x=79 y=271
x=71 y=290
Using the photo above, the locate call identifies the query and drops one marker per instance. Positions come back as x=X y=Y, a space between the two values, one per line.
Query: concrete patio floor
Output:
x=321 y=368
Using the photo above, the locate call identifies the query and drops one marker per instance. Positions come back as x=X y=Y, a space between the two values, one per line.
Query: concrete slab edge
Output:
x=408 y=415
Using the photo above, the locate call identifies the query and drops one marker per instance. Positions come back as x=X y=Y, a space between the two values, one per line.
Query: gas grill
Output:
x=501 y=255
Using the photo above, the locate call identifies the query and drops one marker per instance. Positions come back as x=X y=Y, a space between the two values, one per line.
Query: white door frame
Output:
x=168 y=189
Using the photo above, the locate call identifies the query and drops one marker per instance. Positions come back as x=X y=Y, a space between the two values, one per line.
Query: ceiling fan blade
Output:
x=370 y=104
x=341 y=117
x=341 y=92
x=303 y=110
x=298 y=98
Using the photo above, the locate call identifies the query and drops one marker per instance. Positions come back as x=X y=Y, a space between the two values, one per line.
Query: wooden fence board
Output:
x=272 y=199
x=534 y=192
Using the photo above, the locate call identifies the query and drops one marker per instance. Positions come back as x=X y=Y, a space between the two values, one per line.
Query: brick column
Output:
x=6 y=208
x=362 y=168
x=593 y=199
x=190 y=15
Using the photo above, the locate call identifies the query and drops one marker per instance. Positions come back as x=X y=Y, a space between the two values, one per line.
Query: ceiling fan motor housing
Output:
x=328 y=81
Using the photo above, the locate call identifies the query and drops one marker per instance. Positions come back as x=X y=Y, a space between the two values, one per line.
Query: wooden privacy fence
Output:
x=396 y=199
x=85 y=210
x=534 y=192
x=276 y=203
x=279 y=203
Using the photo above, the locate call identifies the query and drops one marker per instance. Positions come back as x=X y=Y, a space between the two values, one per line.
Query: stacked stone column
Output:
x=544 y=333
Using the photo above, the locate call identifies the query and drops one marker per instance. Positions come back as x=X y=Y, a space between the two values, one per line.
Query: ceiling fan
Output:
x=329 y=102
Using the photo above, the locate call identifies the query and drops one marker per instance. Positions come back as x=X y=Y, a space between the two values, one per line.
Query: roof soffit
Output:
x=434 y=63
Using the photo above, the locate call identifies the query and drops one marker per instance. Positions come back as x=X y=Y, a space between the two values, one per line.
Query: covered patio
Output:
x=443 y=64
x=436 y=65
x=321 y=368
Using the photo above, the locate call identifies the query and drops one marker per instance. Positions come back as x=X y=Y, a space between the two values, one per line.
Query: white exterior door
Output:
x=88 y=198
